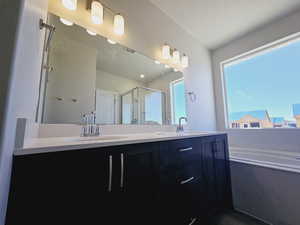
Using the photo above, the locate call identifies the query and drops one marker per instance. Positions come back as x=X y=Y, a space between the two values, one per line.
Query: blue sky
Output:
x=270 y=81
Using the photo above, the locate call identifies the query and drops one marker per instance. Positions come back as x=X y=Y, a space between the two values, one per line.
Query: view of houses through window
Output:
x=262 y=90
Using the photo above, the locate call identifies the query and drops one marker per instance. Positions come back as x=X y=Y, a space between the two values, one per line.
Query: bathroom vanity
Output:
x=154 y=179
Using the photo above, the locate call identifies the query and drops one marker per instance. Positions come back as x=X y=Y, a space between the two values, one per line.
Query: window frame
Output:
x=245 y=56
x=172 y=99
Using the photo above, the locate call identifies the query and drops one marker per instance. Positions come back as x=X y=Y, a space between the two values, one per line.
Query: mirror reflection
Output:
x=83 y=73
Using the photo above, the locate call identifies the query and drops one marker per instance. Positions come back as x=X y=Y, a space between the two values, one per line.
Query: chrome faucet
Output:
x=89 y=126
x=180 y=126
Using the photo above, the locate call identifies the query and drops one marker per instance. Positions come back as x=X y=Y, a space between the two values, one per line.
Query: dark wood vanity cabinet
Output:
x=169 y=182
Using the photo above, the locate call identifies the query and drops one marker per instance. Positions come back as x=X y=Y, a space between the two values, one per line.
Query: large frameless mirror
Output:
x=83 y=72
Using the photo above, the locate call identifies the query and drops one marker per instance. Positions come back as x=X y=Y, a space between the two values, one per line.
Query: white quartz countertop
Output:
x=44 y=145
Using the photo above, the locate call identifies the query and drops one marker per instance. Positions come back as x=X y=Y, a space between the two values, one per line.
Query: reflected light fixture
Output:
x=166 y=52
x=185 y=61
x=97 y=12
x=119 y=24
x=70 y=4
x=91 y=32
x=157 y=62
x=142 y=76
x=111 y=41
x=176 y=56
x=66 y=22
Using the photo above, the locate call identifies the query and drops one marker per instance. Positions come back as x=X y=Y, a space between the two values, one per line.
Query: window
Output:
x=255 y=125
x=262 y=88
x=177 y=100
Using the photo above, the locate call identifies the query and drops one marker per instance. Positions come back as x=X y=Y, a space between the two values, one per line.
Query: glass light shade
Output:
x=119 y=24
x=66 y=22
x=185 y=61
x=97 y=12
x=91 y=32
x=166 y=52
x=70 y=4
x=176 y=57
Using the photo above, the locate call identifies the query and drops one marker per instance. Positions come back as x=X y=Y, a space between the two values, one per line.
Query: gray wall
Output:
x=21 y=65
x=8 y=9
x=73 y=77
x=269 y=194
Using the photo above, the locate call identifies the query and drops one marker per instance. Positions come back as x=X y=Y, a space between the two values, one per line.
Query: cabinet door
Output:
x=139 y=183
x=60 y=188
x=216 y=173
x=222 y=173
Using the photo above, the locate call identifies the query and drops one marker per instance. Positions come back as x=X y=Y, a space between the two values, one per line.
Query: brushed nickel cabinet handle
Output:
x=186 y=149
x=110 y=173
x=187 y=180
x=122 y=171
x=193 y=220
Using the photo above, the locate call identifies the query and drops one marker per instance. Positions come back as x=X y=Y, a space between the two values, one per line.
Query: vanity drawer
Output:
x=180 y=153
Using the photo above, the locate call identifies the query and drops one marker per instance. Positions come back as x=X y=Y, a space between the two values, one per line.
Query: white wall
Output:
x=110 y=82
x=279 y=139
x=163 y=83
x=147 y=29
x=21 y=99
x=73 y=77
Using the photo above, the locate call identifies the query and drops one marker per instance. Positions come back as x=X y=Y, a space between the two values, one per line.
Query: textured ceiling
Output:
x=216 y=22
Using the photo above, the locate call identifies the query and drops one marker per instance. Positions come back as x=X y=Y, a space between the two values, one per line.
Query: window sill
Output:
x=280 y=160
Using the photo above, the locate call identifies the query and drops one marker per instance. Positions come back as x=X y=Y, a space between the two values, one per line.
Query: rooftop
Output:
x=258 y=114
x=277 y=119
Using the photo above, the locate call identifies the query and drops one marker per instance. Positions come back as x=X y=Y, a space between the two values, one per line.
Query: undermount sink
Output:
x=98 y=138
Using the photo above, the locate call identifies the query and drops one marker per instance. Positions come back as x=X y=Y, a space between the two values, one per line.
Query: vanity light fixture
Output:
x=176 y=56
x=185 y=61
x=97 y=12
x=111 y=41
x=91 y=32
x=157 y=62
x=70 y=4
x=119 y=24
x=66 y=22
x=142 y=76
x=166 y=52
x=175 y=70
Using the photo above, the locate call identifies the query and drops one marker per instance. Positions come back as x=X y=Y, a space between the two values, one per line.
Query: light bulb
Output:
x=185 y=61
x=70 y=4
x=176 y=57
x=166 y=51
x=142 y=76
x=91 y=32
x=97 y=12
x=119 y=24
x=111 y=41
x=66 y=22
